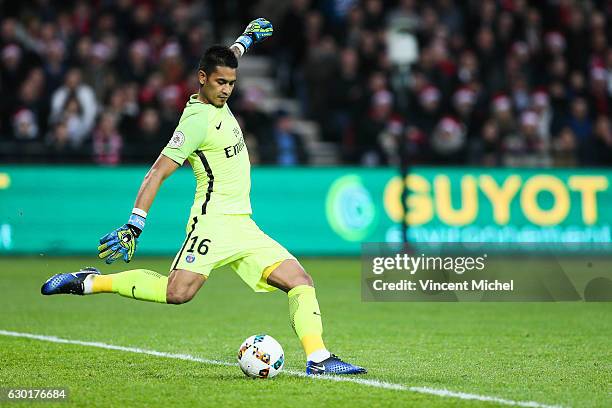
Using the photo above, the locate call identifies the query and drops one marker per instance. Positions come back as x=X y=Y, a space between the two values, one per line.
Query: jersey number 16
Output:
x=202 y=248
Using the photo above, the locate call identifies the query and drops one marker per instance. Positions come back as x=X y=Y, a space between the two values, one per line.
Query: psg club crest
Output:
x=190 y=258
x=177 y=139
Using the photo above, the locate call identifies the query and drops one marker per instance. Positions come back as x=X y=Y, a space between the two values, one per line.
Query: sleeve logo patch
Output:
x=177 y=139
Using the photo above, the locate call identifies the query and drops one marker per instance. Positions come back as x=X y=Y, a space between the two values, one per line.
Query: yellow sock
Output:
x=140 y=284
x=312 y=343
x=102 y=284
x=306 y=318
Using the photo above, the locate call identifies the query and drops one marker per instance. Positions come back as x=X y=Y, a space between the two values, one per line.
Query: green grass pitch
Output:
x=553 y=354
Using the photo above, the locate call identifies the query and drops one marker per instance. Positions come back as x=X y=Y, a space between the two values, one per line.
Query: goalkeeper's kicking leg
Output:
x=142 y=284
x=305 y=317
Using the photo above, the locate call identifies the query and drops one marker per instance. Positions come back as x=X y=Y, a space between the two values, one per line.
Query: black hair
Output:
x=217 y=56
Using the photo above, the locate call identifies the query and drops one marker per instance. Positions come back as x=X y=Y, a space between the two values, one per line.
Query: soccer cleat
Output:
x=69 y=283
x=333 y=365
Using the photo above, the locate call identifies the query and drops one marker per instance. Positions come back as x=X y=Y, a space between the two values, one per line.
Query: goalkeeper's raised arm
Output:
x=257 y=31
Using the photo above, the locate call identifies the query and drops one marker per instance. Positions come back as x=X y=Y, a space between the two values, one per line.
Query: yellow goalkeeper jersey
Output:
x=211 y=139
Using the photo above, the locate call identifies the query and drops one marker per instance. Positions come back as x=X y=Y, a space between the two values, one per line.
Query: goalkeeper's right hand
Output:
x=122 y=241
x=257 y=31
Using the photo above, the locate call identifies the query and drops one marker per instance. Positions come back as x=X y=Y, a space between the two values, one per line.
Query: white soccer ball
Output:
x=261 y=356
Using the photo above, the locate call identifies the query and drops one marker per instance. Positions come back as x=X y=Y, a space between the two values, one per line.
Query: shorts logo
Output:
x=177 y=139
x=190 y=258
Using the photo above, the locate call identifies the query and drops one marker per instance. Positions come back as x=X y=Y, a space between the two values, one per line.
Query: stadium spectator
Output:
x=58 y=147
x=150 y=127
x=31 y=99
x=564 y=148
x=378 y=125
x=151 y=89
x=429 y=110
x=486 y=150
x=527 y=147
x=599 y=95
x=107 y=142
x=75 y=103
x=581 y=124
x=54 y=65
x=490 y=65
x=405 y=15
x=504 y=116
x=540 y=104
x=99 y=73
x=25 y=126
x=291 y=44
x=256 y=121
x=11 y=75
x=171 y=101
x=464 y=103
x=347 y=98
x=286 y=147
x=148 y=137
x=603 y=141
x=320 y=71
x=448 y=142
x=137 y=65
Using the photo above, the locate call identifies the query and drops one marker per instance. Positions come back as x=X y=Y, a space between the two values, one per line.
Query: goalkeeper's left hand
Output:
x=122 y=241
x=257 y=31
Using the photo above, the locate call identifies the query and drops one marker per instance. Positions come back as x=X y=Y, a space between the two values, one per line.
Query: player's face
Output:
x=219 y=85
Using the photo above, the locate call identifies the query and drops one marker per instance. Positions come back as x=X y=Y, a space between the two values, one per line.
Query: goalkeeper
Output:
x=220 y=230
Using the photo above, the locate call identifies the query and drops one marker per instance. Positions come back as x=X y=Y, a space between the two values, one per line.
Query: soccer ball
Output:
x=261 y=356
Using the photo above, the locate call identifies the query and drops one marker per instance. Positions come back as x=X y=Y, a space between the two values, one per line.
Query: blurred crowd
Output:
x=506 y=82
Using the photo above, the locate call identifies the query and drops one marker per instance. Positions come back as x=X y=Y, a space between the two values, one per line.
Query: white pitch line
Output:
x=370 y=383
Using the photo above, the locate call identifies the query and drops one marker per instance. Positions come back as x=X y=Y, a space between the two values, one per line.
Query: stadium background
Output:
x=500 y=110
x=503 y=87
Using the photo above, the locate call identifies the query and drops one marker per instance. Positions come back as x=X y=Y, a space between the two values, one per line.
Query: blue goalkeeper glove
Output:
x=122 y=241
x=257 y=31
